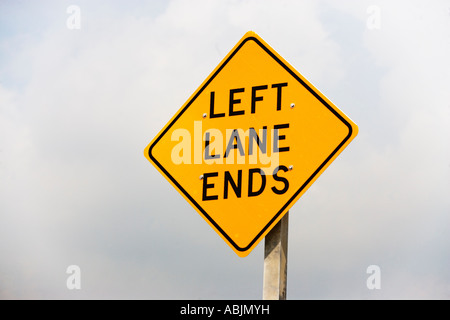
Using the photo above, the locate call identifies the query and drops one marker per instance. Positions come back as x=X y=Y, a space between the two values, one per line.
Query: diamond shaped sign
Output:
x=249 y=142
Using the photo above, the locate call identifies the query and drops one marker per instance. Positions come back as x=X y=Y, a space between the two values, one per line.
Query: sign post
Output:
x=275 y=261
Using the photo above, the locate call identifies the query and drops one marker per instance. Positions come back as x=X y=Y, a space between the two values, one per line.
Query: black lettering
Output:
x=252 y=193
x=207 y=186
x=237 y=188
x=279 y=86
x=237 y=145
x=207 y=153
x=255 y=98
x=235 y=101
x=211 y=108
x=254 y=136
x=277 y=137
x=281 y=179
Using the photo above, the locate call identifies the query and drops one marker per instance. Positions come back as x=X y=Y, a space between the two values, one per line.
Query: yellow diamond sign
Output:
x=249 y=142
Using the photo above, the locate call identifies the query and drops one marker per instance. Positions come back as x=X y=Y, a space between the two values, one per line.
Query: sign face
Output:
x=249 y=143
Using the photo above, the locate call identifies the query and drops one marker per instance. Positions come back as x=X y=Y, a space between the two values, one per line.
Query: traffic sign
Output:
x=249 y=142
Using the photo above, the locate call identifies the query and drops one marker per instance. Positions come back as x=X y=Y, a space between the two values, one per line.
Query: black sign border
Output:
x=314 y=93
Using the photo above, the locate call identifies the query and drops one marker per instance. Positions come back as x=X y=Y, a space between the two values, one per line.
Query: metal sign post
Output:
x=275 y=261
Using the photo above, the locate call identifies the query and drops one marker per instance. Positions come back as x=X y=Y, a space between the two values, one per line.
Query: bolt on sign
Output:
x=249 y=142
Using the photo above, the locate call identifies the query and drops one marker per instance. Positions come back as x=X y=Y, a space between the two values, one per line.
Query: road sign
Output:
x=249 y=142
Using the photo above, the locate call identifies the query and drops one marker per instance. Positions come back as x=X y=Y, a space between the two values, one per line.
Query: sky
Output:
x=83 y=92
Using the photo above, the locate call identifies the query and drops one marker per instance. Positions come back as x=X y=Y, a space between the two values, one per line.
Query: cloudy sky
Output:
x=81 y=99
